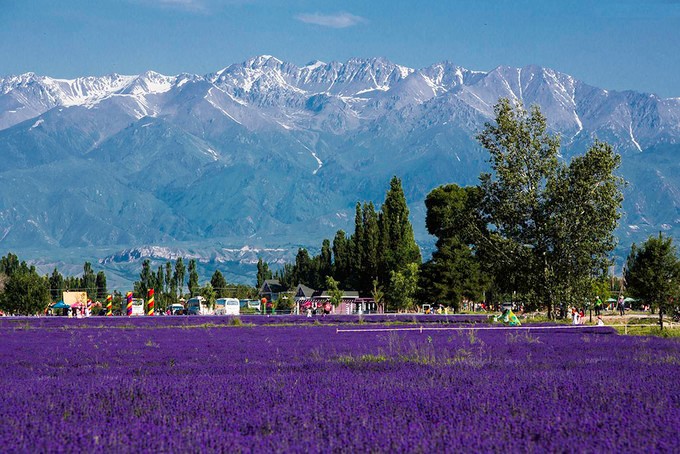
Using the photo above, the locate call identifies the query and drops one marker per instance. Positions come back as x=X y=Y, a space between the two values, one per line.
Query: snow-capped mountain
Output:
x=272 y=154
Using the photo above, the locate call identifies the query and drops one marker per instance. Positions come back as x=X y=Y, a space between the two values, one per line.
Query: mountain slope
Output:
x=268 y=154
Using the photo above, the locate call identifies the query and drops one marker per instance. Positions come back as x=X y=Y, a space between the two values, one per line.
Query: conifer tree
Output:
x=193 y=278
x=178 y=276
x=325 y=261
x=398 y=246
x=102 y=291
x=219 y=284
x=341 y=257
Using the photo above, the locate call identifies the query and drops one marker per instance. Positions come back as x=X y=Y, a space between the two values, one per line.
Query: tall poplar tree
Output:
x=178 y=276
x=325 y=261
x=57 y=285
x=369 y=248
x=102 y=291
x=341 y=258
x=193 y=278
x=398 y=247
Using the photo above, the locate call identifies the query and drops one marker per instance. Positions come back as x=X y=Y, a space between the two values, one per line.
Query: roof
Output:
x=304 y=291
x=271 y=286
x=346 y=294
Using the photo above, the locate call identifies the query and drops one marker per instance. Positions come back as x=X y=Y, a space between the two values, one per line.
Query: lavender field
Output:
x=169 y=385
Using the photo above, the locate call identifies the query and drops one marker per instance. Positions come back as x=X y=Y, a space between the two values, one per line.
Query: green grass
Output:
x=633 y=330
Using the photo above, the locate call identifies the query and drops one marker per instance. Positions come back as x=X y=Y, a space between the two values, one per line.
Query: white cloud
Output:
x=198 y=6
x=339 y=20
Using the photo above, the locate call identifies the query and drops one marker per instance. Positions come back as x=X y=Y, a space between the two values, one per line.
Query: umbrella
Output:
x=61 y=305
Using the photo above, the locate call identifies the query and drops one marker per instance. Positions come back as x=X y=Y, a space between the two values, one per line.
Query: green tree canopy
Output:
x=403 y=286
x=219 y=284
x=550 y=224
x=653 y=273
x=25 y=293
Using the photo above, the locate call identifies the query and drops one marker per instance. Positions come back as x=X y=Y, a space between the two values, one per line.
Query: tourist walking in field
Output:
x=621 y=306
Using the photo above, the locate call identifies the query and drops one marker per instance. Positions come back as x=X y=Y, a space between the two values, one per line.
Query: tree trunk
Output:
x=661 y=318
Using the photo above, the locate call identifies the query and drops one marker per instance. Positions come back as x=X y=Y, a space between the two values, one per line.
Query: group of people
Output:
x=578 y=317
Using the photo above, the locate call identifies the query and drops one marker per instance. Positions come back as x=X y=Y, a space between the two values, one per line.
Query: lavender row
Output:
x=312 y=389
x=192 y=320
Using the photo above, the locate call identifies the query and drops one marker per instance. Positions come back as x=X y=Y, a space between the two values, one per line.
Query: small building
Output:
x=350 y=304
x=271 y=288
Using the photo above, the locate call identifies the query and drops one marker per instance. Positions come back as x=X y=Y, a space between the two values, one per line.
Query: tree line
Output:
x=536 y=230
x=380 y=257
x=24 y=291
x=169 y=283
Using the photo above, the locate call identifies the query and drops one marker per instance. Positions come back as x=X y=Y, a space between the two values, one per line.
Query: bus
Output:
x=227 y=306
x=198 y=306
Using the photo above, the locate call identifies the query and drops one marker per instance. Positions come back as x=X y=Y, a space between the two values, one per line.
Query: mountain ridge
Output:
x=272 y=154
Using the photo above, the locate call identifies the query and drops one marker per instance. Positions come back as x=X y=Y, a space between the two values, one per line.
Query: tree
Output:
x=378 y=295
x=178 y=276
x=56 y=283
x=403 y=286
x=207 y=292
x=305 y=271
x=653 y=273
x=325 y=260
x=333 y=291
x=341 y=257
x=9 y=264
x=369 y=248
x=550 y=225
x=145 y=282
x=25 y=293
x=193 y=278
x=356 y=245
x=263 y=272
x=219 y=284
x=169 y=289
x=454 y=272
x=399 y=247
x=582 y=214
x=89 y=281
x=102 y=291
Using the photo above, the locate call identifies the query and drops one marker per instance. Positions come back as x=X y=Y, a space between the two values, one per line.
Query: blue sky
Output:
x=622 y=44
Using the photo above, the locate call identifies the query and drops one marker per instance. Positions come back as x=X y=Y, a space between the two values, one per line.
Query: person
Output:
x=600 y=322
x=581 y=317
x=598 y=305
x=621 y=306
x=574 y=316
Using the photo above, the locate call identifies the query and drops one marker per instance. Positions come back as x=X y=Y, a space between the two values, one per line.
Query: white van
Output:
x=227 y=306
x=198 y=306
